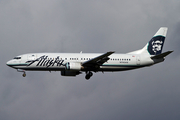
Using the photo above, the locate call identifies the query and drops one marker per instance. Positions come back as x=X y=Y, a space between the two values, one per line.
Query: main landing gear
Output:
x=24 y=73
x=88 y=75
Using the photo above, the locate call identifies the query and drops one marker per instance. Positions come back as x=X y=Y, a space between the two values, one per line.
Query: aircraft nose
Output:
x=9 y=63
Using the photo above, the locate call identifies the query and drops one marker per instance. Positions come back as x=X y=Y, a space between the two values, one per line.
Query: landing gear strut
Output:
x=24 y=73
x=88 y=75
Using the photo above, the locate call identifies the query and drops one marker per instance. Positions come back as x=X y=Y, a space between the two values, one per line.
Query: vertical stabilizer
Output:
x=155 y=45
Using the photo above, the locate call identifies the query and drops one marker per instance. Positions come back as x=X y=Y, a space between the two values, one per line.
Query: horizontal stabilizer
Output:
x=161 y=55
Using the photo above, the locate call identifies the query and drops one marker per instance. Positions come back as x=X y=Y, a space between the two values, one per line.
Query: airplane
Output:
x=72 y=64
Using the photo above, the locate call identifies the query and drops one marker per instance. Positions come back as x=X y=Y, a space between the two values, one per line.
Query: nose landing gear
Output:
x=88 y=75
x=24 y=73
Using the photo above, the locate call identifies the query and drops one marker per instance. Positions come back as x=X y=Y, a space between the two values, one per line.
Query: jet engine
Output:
x=73 y=66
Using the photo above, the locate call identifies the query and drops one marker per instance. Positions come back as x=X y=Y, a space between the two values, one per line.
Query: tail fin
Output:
x=155 y=45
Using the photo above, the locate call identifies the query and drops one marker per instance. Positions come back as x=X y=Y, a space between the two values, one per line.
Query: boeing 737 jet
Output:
x=72 y=64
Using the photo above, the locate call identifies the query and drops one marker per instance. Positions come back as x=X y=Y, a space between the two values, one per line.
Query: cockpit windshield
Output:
x=17 y=58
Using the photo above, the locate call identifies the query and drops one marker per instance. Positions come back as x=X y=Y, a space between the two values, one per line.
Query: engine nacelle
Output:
x=73 y=66
x=70 y=73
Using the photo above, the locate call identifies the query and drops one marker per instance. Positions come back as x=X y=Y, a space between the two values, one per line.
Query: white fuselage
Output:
x=56 y=61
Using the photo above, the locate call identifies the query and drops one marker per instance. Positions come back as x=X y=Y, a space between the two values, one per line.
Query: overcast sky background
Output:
x=90 y=26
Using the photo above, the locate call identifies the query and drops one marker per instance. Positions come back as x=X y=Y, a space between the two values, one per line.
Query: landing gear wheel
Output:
x=88 y=75
x=91 y=74
x=24 y=74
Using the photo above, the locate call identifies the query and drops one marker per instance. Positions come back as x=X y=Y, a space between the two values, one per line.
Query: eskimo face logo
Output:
x=156 y=46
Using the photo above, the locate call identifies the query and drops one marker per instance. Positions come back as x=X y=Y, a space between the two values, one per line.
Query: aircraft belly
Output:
x=59 y=68
x=117 y=68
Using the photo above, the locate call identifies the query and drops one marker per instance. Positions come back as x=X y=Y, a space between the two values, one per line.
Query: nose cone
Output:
x=9 y=63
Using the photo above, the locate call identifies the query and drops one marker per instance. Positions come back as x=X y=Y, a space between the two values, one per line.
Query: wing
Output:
x=98 y=60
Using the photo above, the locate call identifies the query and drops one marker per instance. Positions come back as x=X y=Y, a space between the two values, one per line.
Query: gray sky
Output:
x=89 y=26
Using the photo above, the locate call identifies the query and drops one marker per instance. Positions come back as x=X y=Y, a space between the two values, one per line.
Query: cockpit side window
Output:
x=17 y=58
